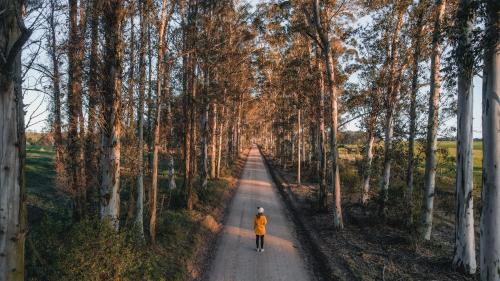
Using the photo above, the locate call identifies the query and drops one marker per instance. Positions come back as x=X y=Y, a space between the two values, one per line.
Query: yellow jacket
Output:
x=259 y=225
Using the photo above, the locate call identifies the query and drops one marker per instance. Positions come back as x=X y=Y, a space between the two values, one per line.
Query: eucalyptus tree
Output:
x=432 y=123
x=417 y=34
x=321 y=20
x=490 y=214
x=139 y=213
x=394 y=68
x=162 y=92
x=464 y=258
x=113 y=14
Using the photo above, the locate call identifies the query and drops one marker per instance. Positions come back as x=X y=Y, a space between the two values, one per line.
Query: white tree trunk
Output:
x=490 y=213
x=386 y=172
x=464 y=258
x=432 y=125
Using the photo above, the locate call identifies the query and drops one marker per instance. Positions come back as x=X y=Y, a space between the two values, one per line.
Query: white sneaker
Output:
x=262 y=250
x=258 y=250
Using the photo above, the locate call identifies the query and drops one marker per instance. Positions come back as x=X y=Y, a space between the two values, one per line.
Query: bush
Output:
x=89 y=250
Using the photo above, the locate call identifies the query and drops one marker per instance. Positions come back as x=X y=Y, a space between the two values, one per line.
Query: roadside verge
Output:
x=207 y=251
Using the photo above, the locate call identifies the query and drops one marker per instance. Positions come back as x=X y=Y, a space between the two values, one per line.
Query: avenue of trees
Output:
x=140 y=89
x=399 y=69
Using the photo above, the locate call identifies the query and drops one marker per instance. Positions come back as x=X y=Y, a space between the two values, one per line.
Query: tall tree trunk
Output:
x=149 y=99
x=213 y=154
x=238 y=128
x=490 y=213
x=91 y=144
x=56 y=91
x=323 y=194
x=189 y=89
x=13 y=223
x=113 y=13
x=390 y=104
x=161 y=90
x=139 y=215
x=299 y=160
x=464 y=259
x=330 y=71
x=204 y=145
x=337 y=215
x=432 y=126
x=204 y=131
x=75 y=150
x=129 y=139
x=368 y=160
x=131 y=79
x=221 y=133
x=171 y=167
x=194 y=124
x=413 y=110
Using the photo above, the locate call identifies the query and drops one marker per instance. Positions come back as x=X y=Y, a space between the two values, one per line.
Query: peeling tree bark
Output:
x=368 y=162
x=113 y=13
x=490 y=213
x=13 y=35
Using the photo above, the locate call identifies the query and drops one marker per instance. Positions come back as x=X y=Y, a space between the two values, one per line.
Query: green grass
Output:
x=42 y=195
x=451 y=146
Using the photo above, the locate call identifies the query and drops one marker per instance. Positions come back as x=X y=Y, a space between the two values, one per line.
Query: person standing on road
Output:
x=259 y=226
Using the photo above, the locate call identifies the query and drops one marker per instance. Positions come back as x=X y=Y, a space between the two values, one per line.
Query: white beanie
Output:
x=260 y=210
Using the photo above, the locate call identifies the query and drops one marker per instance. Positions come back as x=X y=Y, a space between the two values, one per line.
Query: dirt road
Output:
x=236 y=258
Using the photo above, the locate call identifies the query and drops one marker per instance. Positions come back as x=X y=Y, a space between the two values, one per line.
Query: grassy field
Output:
x=451 y=147
x=446 y=168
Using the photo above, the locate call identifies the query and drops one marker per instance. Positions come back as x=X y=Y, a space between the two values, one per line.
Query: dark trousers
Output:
x=261 y=239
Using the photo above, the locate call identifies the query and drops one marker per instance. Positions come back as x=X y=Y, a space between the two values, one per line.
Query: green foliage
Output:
x=59 y=249
x=180 y=235
x=88 y=250
x=212 y=195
